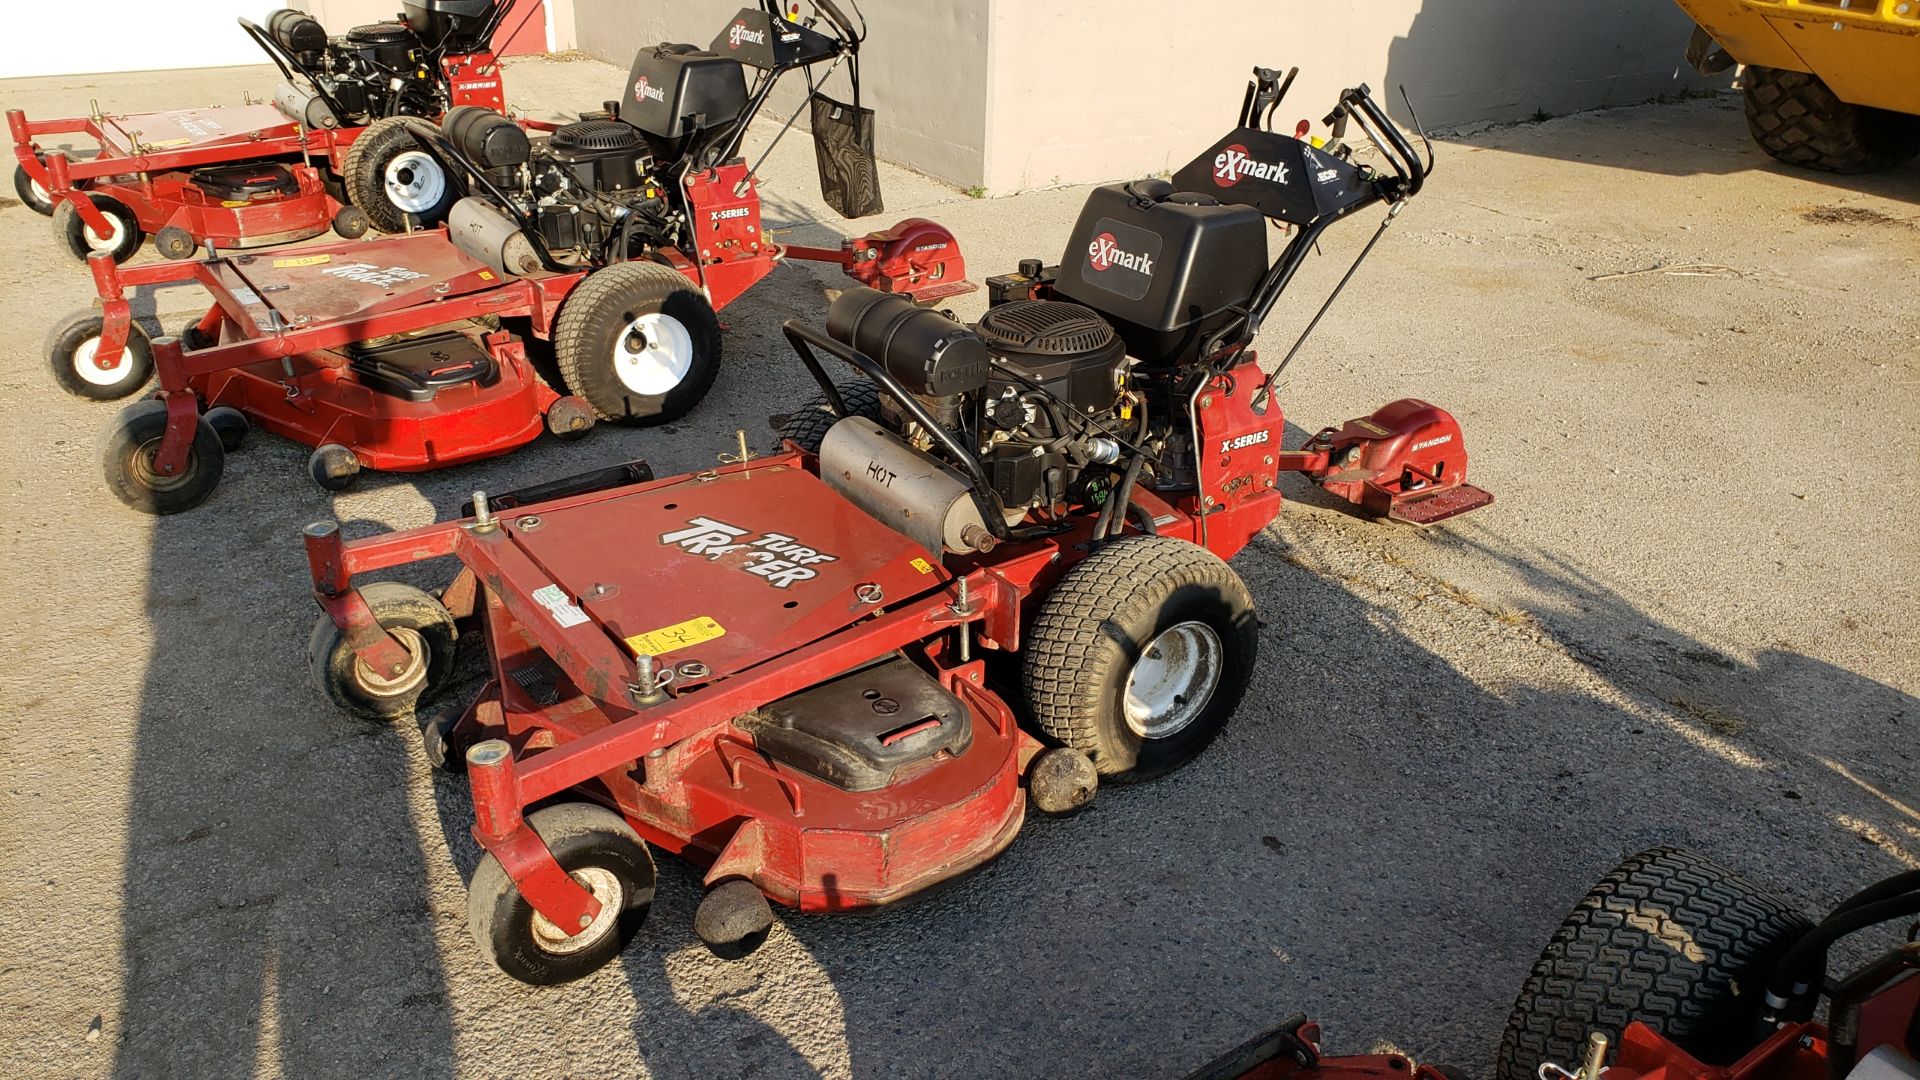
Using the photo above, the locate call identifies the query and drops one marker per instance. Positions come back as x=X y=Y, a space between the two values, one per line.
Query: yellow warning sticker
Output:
x=923 y=566
x=232 y=203
x=166 y=144
x=304 y=260
x=678 y=636
x=486 y=275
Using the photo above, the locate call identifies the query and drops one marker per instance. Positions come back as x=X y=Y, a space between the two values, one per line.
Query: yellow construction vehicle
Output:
x=1830 y=84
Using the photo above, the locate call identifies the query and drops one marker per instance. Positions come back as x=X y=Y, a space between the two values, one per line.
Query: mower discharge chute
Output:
x=330 y=149
x=615 y=238
x=777 y=668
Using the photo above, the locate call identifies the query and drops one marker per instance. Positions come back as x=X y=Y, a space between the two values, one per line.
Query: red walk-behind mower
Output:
x=780 y=668
x=331 y=149
x=1674 y=968
x=613 y=243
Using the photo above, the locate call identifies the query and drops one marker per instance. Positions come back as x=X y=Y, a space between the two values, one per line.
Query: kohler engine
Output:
x=381 y=69
x=1039 y=390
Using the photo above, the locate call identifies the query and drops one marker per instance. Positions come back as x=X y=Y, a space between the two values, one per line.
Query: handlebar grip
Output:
x=837 y=17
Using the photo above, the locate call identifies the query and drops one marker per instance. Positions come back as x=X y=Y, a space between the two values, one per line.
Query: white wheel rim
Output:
x=112 y=240
x=605 y=888
x=39 y=190
x=1173 y=680
x=87 y=365
x=653 y=354
x=415 y=182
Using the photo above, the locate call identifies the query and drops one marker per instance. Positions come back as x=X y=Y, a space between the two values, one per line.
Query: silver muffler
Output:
x=480 y=230
x=902 y=488
x=304 y=106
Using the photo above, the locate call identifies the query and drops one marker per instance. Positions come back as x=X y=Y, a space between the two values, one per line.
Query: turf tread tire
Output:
x=1613 y=961
x=808 y=424
x=579 y=344
x=1075 y=662
x=1797 y=119
x=366 y=185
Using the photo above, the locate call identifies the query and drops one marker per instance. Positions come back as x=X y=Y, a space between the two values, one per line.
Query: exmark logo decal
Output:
x=739 y=34
x=779 y=558
x=644 y=90
x=1105 y=253
x=1232 y=164
x=1228 y=446
x=371 y=274
x=1441 y=441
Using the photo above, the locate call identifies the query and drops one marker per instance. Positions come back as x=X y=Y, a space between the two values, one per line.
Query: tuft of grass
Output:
x=976 y=192
x=1541 y=116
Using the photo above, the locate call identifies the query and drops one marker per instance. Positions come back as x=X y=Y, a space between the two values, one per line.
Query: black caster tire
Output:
x=603 y=853
x=420 y=622
x=639 y=342
x=733 y=919
x=128 y=455
x=230 y=424
x=1061 y=781
x=569 y=418
x=32 y=196
x=82 y=241
x=394 y=181
x=71 y=348
x=1669 y=938
x=193 y=339
x=351 y=223
x=436 y=738
x=807 y=425
x=175 y=243
x=333 y=467
x=1140 y=655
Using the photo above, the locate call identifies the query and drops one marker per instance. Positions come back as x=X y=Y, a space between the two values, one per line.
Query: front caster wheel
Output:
x=33 y=195
x=123 y=232
x=132 y=448
x=1140 y=655
x=73 y=354
x=606 y=857
x=419 y=622
x=733 y=919
x=333 y=467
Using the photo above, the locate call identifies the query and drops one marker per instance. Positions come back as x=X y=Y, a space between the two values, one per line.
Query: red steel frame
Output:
x=678 y=770
x=154 y=181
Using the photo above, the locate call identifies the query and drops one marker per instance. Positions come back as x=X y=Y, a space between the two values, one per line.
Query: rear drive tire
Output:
x=421 y=623
x=1669 y=938
x=638 y=342
x=1797 y=119
x=396 y=182
x=807 y=425
x=600 y=851
x=72 y=354
x=127 y=461
x=1140 y=655
x=80 y=239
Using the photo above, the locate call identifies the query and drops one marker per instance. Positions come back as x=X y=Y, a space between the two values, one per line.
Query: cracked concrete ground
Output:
x=1688 y=619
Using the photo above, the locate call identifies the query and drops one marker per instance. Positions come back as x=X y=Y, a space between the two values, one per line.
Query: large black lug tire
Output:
x=82 y=241
x=1797 y=119
x=32 y=195
x=394 y=181
x=127 y=456
x=1140 y=655
x=419 y=621
x=605 y=856
x=70 y=351
x=808 y=424
x=638 y=342
x=1669 y=938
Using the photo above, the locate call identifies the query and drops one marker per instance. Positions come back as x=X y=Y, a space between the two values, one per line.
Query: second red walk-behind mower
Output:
x=780 y=668
x=330 y=149
x=613 y=242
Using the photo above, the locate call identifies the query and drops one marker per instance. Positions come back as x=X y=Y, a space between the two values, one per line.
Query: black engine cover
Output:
x=1164 y=267
x=674 y=89
x=859 y=730
x=604 y=155
x=1067 y=348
